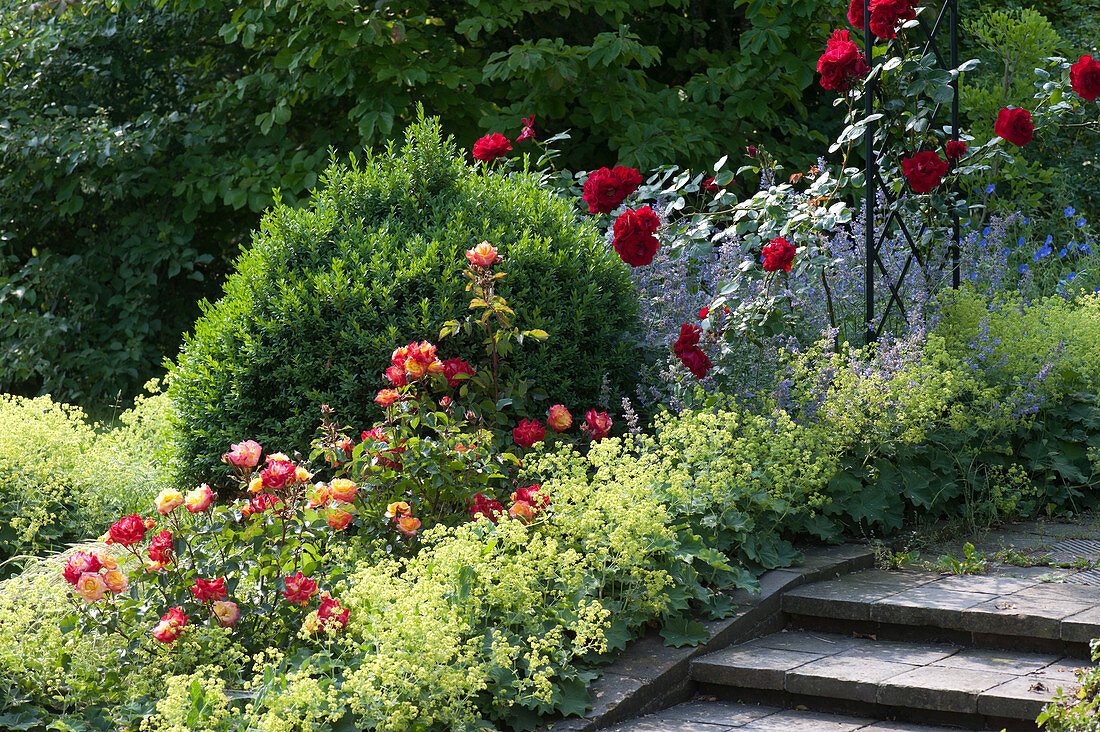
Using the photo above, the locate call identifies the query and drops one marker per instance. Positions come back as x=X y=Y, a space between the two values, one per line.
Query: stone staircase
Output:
x=898 y=651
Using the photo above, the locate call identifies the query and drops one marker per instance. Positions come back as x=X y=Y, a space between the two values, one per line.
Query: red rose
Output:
x=299 y=589
x=331 y=612
x=396 y=376
x=887 y=15
x=955 y=149
x=597 y=424
x=1015 y=126
x=605 y=189
x=78 y=564
x=170 y=626
x=704 y=313
x=491 y=147
x=1084 y=77
x=634 y=239
x=697 y=362
x=260 y=503
x=490 y=508
x=127 y=531
x=778 y=255
x=689 y=338
x=277 y=474
x=532 y=495
x=855 y=13
x=528 y=432
x=453 y=368
x=841 y=63
x=710 y=185
x=924 y=171
x=160 y=548
x=209 y=590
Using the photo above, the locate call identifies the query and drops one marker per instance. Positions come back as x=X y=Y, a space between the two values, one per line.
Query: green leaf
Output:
x=682 y=630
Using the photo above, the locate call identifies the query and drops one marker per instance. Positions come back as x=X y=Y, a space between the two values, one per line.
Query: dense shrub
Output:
x=63 y=478
x=328 y=291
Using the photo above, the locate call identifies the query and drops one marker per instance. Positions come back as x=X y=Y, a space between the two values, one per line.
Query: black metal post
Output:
x=870 y=173
x=956 y=270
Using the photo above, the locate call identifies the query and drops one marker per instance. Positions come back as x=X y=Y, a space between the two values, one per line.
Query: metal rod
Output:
x=869 y=182
x=956 y=269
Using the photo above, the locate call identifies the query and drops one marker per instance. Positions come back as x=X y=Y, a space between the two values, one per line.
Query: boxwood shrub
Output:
x=327 y=291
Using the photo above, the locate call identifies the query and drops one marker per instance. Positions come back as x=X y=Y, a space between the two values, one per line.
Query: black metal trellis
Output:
x=946 y=19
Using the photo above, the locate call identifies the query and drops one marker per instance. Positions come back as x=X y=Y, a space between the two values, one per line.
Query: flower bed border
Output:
x=649 y=676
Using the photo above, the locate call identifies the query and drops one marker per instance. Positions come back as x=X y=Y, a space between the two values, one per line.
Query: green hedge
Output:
x=327 y=291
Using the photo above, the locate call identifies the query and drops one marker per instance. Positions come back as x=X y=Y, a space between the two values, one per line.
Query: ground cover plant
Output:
x=406 y=496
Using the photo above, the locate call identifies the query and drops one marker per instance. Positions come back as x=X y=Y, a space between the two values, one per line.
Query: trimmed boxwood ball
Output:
x=326 y=292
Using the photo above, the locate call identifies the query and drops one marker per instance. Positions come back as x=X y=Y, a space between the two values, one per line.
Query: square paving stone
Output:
x=717 y=712
x=772 y=583
x=835 y=599
x=1065 y=669
x=1004 y=662
x=927 y=605
x=659 y=724
x=1022 y=698
x=752 y=668
x=800 y=640
x=938 y=688
x=993 y=585
x=649 y=658
x=903 y=727
x=843 y=677
x=1081 y=627
x=912 y=653
x=795 y=721
x=609 y=691
x=1020 y=616
x=1040 y=574
x=1084 y=594
x=893 y=579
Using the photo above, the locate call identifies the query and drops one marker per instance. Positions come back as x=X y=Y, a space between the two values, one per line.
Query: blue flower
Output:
x=1027 y=220
x=1071 y=276
x=990 y=188
x=1070 y=210
x=1023 y=268
x=986 y=231
x=973 y=276
x=1050 y=238
x=1086 y=248
x=1080 y=223
x=1063 y=253
x=1020 y=243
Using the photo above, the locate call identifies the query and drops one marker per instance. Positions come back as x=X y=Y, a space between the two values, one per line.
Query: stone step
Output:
x=1016 y=610
x=708 y=715
x=935 y=683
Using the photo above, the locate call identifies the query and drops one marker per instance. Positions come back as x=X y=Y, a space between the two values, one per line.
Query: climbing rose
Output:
x=299 y=589
x=396 y=376
x=78 y=564
x=199 y=499
x=522 y=510
x=689 y=338
x=160 y=548
x=528 y=129
x=116 y=581
x=456 y=370
x=855 y=13
x=483 y=255
x=605 y=189
x=209 y=590
x=417 y=359
x=778 y=255
x=127 y=531
x=597 y=424
x=226 y=611
x=244 y=455
x=533 y=495
x=260 y=503
x=924 y=171
x=841 y=63
x=955 y=149
x=490 y=508
x=1015 y=126
x=528 y=432
x=887 y=15
x=710 y=186
x=704 y=313
x=170 y=626
x=491 y=147
x=697 y=362
x=1084 y=77
x=559 y=418
x=634 y=236
x=397 y=510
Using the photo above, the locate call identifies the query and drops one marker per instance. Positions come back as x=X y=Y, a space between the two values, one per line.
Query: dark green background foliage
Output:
x=374 y=261
x=139 y=141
